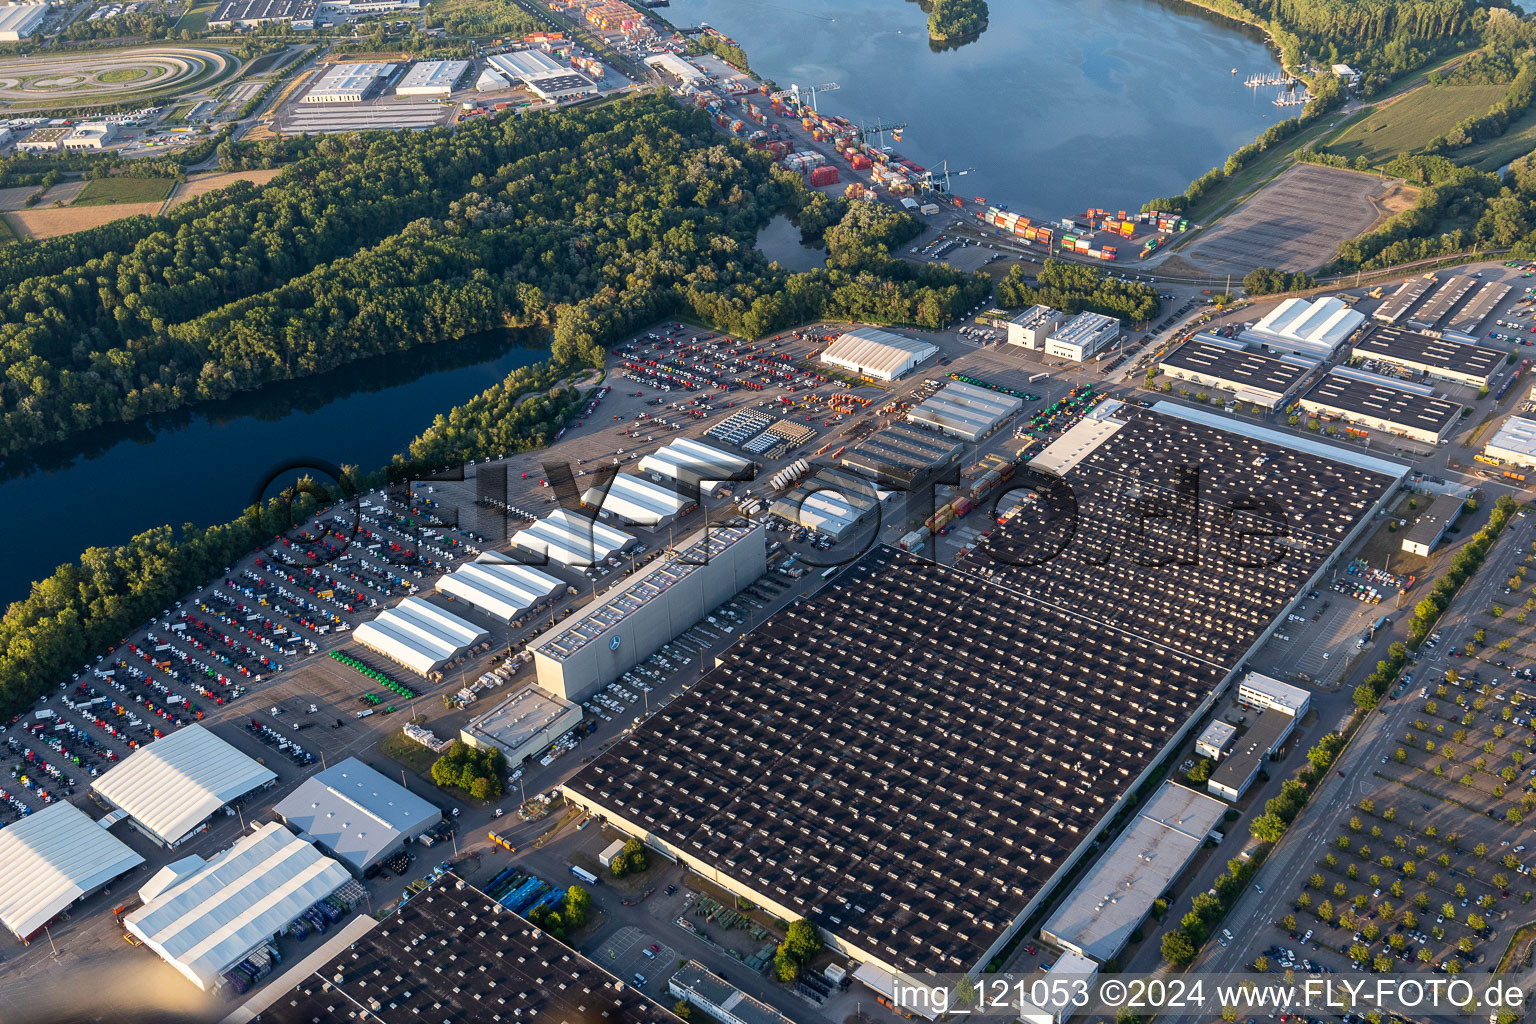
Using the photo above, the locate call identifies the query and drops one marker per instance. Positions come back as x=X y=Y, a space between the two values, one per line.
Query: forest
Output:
x=951 y=20
x=585 y=224
x=1073 y=287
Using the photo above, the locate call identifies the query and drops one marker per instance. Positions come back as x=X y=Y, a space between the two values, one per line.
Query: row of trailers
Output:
x=996 y=475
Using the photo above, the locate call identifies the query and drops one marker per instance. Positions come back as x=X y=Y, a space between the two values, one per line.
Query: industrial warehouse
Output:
x=255 y=13
x=502 y=590
x=170 y=788
x=18 y=21
x=432 y=78
x=876 y=354
x=1115 y=897
x=1428 y=316
x=1464 y=324
x=213 y=914
x=522 y=725
x=1216 y=362
x=635 y=500
x=541 y=74
x=1087 y=665
x=349 y=83
x=691 y=463
x=419 y=635
x=965 y=411
x=608 y=638
x=355 y=814
x=1403 y=298
x=1422 y=537
x=571 y=539
x=1514 y=442
x=1471 y=365
x=833 y=502
x=1382 y=403
x=1315 y=329
x=379 y=974
x=53 y=858
x=903 y=456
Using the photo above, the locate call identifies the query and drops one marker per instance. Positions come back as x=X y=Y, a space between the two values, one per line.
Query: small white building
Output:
x=1083 y=337
x=1031 y=328
x=1213 y=743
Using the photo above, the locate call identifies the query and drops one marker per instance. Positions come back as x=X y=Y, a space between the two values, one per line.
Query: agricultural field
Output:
x=50 y=222
x=199 y=184
x=1408 y=124
x=107 y=191
x=142 y=75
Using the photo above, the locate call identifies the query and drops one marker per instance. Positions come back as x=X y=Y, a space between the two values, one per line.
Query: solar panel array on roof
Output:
x=832 y=765
x=452 y=954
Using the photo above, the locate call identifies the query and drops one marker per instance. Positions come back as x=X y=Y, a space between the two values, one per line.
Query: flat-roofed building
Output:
x=1031 y=328
x=419 y=635
x=1266 y=692
x=171 y=787
x=679 y=68
x=1116 y=896
x=877 y=354
x=612 y=635
x=47 y=139
x=1464 y=324
x=432 y=78
x=356 y=814
x=1314 y=328
x=1396 y=306
x=254 y=13
x=1083 y=337
x=1514 y=442
x=1382 y=403
x=1472 y=365
x=1428 y=316
x=1215 y=362
x=965 y=411
x=1264 y=733
x=93 y=136
x=52 y=859
x=541 y=74
x=1092 y=664
x=18 y=21
x=696 y=985
x=1426 y=532
x=1213 y=743
x=349 y=83
x=633 y=499
x=523 y=724
x=903 y=456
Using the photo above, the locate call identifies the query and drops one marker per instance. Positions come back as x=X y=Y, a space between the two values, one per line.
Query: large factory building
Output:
x=608 y=638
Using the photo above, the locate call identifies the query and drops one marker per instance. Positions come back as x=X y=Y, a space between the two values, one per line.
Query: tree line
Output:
x=1073 y=288
x=586 y=224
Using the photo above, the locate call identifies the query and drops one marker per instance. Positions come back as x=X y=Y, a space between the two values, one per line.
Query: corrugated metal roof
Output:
x=170 y=786
x=635 y=500
x=504 y=590
x=418 y=634
x=51 y=859
x=688 y=461
x=877 y=353
x=571 y=539
x=356 y=812
x=965 y=410
x=216 y=917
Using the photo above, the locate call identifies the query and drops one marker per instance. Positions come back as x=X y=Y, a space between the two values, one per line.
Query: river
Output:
x=203 y=465
x=1061 y=105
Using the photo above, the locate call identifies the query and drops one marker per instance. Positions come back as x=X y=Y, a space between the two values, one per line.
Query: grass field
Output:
x=110 y=191
x=1519 y=140
x=1407 y=125
x=7 y=233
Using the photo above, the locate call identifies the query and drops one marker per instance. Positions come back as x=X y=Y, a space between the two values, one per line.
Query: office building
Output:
x=522 y=725
x=1213 y=743
x=1426 y=532
x=1083 y=337
x=1031 y=328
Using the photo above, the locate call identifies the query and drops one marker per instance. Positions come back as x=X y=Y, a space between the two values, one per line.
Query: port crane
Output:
x=939 y=180
x=795 y=92
x=878 y=131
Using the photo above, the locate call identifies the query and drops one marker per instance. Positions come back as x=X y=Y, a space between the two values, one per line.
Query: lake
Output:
x=1061 y=105
x=780 y=241
x=204 y=465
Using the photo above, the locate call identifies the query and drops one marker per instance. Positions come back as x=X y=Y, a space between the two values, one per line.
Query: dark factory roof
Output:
x=908 y=756
x=452 y=956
